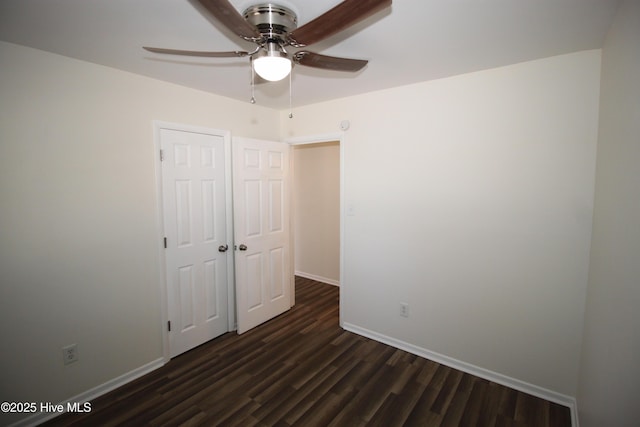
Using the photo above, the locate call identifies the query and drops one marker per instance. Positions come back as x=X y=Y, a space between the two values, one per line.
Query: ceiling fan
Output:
x=273 y=28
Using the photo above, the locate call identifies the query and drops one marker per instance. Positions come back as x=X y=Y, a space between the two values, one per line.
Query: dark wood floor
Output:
x=302 y=369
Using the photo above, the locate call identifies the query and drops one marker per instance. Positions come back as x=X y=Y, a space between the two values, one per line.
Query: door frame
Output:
x=315 y=139
x=164 y=300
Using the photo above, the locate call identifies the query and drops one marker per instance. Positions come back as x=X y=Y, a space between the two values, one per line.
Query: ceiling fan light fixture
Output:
x=272 y=63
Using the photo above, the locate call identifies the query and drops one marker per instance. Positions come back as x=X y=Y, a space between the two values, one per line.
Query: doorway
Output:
x=316 y=211
x=340 y=139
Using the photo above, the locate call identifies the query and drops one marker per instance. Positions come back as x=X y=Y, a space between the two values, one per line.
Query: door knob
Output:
x=223 y=248
x=242 y=247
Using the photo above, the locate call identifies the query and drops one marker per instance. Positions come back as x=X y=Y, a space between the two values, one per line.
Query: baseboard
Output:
x=495 y=377
x=318 y=278
x=93 y=393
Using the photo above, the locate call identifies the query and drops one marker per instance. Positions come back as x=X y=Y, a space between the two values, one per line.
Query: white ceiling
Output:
x=414 y=40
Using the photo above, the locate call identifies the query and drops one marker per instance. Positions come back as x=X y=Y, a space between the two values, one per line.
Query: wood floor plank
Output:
x=458 y=404
x=297 y=401
x=482 y=406
x=507 y=405
x=396 y=411
x=421 y=413
x=321 y=401
x=558 y=415
x=302 y=369
x=530 y=409
x=384 y=416
x=447 y=391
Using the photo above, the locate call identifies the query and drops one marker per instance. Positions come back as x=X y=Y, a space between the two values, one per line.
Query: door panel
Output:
x=261 y=211
x=276 y=200
x=195 y=221
x=278 y=278
x=253 y=208
x=253 y=268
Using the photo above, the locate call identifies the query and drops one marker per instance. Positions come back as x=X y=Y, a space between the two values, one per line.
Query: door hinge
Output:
x=165 y=243
x=169 y=325
x=161 y=155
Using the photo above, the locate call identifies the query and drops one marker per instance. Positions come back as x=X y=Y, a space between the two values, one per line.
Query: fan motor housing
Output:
x=271 y=20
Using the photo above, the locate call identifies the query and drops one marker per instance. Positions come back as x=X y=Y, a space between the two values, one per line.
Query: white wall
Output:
x=610 y=372
x=79 y=256
x=316 y=208
x=472 y=199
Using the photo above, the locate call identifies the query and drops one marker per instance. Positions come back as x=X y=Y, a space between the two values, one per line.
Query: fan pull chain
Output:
x=290 y=112
x=253 y=86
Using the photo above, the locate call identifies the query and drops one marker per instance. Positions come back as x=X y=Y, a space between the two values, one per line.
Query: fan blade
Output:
x=233 y=54
x=342 y=16
x=228 y=16
x=315 y=60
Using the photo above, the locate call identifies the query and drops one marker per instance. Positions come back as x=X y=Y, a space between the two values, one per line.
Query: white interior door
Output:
x=195 y=224
x=261 y=187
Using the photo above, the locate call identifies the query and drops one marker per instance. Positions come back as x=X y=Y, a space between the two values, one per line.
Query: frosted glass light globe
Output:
x=272 y=68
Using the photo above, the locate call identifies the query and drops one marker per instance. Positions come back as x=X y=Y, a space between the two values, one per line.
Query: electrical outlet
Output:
x=70 y=354
x=404 y=309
